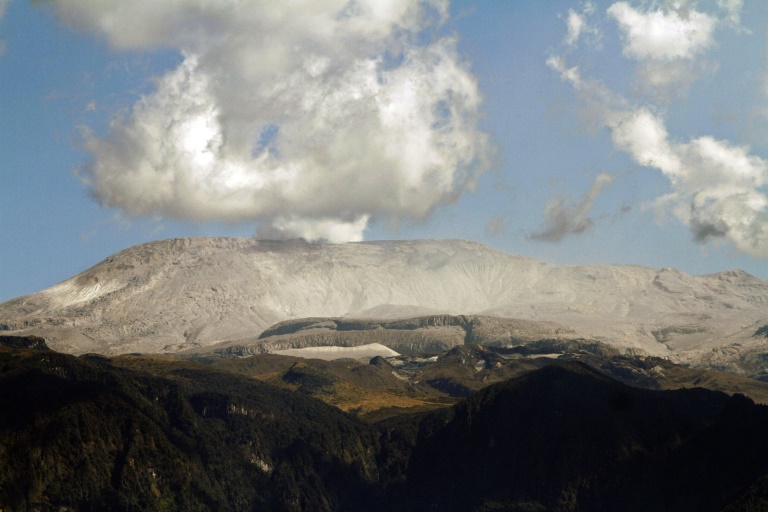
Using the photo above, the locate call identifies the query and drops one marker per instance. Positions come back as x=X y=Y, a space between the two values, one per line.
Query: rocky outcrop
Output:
x=431 y=334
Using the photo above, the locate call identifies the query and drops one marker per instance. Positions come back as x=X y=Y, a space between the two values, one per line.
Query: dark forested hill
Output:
x=83 y=434
x=567 y=438
x=90 y=434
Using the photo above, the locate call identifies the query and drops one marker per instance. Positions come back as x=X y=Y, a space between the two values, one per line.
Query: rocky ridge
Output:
x=431 y=334
x=180 y=294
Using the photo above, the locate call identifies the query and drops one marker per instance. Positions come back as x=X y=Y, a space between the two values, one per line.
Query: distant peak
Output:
x=735 y=274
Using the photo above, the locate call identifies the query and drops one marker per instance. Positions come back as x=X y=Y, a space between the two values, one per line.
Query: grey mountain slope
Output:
x=181 y=293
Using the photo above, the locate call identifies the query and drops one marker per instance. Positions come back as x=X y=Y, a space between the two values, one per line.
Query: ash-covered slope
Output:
x=181 y=293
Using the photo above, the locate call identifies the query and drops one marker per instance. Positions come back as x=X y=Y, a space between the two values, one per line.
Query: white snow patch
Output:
x=555 y=355
x=328 y=352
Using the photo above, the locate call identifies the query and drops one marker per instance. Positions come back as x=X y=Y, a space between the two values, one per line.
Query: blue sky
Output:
x=574 y=132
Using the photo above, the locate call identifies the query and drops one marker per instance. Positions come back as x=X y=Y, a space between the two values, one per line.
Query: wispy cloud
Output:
x=563 y=217
x=498 y=225
x=732 y=10
x=718 y=188
x=311 y=118
x=578 y=24
x=3 y=8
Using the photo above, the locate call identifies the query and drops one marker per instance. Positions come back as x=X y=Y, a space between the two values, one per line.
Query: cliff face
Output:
x=179 y=294
x=431 y=334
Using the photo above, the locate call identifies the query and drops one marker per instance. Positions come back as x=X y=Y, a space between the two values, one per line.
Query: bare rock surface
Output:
x=431 y=334
x=179 y=294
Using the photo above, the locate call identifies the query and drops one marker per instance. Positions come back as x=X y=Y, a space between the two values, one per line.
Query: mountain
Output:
x=180 y=294
x=137 y=433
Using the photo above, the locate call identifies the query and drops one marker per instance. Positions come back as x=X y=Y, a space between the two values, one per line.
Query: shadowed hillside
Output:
x=84 y=434
x=147 y=433
x=566 y=438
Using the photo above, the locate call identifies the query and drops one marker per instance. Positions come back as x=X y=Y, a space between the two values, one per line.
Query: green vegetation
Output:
x=149 y=433
x=87 y=434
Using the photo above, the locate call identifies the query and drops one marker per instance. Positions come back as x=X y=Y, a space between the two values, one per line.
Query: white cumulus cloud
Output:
x=667 y=43
x=311 y=118
x=719 y=189
x=663 y=34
